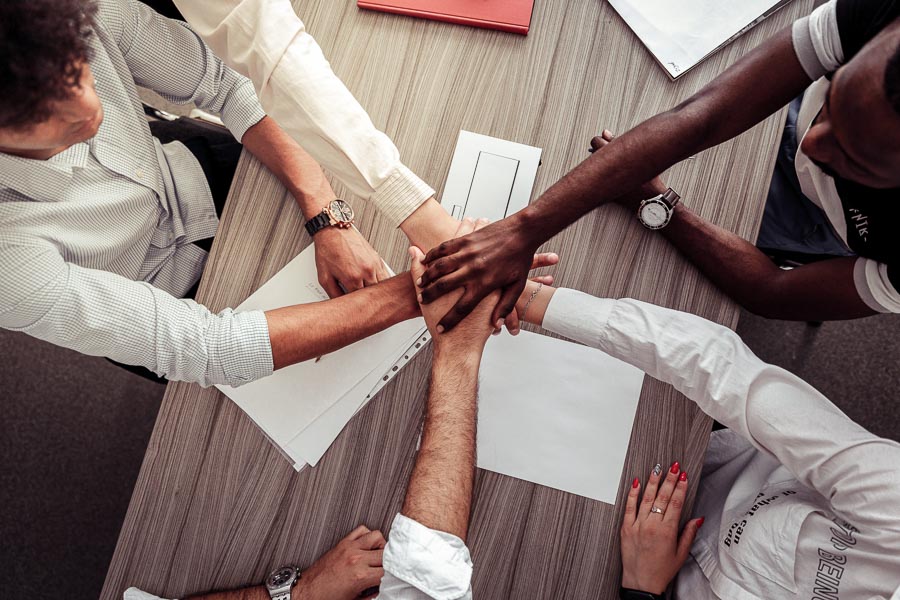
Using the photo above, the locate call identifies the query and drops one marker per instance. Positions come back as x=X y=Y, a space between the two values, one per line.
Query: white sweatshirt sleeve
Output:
x=778 y=412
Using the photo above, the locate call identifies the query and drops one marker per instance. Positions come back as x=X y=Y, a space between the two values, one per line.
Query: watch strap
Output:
x=318 y=223
x=629 y=594
x=670 y=197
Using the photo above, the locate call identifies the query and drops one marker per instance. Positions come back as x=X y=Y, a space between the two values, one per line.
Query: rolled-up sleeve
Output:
x=152 y=44
x=104 y=314
x=266 y=41
x=817 y=41
x=422 y=563
x=875 y=286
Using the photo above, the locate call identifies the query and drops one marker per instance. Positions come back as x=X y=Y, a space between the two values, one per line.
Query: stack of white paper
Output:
x=681 y=33
x=302 y=408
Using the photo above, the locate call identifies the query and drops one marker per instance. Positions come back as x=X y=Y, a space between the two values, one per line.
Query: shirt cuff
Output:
x=401 y=194
x=434 y=562
x=578 y=316
x=240 y=349
x=133 y=593
x=242 y=110
x=874 y=286
x=816 y=41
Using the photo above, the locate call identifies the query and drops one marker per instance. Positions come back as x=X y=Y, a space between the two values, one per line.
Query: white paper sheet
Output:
x=288 y=401
x=681 y=33
x=556 y=413
x=311 y=444
x=489 y=178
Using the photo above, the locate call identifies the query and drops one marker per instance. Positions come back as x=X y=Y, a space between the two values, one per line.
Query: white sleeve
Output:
x=133 y=593
x=422 y=564
x=266 y=41
x=103 y=314
x=874 y=286
x=779 y=413
x=817 y=41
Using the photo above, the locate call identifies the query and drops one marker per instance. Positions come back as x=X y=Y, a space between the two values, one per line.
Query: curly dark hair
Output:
x=43 y=44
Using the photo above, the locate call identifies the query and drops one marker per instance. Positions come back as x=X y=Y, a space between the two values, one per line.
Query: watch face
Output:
x=280 y=577
x=340 y=211
x=654 y=214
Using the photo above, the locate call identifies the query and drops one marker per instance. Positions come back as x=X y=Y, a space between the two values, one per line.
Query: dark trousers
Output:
x=217 y=152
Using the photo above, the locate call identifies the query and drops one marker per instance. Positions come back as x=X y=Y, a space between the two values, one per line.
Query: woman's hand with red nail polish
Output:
x=652 y=550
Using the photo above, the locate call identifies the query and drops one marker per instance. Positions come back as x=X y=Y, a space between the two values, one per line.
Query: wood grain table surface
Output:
x=216 y=506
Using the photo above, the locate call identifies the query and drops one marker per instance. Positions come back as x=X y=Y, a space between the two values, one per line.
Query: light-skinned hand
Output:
x=344 y=572
x=345 y=258
x=652 y=550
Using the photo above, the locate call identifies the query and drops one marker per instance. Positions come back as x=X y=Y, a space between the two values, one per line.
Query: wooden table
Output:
x=216 y=506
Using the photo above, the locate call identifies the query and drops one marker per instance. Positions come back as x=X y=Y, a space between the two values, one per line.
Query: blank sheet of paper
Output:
x=556 y=413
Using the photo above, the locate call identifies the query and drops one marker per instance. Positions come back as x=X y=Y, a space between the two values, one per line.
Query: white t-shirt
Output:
x=852 y=210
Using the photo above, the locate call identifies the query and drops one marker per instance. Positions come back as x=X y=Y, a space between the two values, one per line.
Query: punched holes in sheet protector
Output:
x=397 y=367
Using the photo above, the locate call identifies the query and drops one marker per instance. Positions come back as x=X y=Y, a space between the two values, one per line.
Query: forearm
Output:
x=751 y=279
x=429 y=225
x=734 y=265
x=753 y=88
x=305 y=331
x=257 y=592
x=291 y=164
x=439 y=495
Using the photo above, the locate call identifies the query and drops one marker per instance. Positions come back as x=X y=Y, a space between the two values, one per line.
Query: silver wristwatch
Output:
x=280 y=581
x=656 y=212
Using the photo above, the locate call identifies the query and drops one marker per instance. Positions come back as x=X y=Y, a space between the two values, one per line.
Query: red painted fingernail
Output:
x=700 y=522
x=674 y=468
x=683 y=476
x=636 y=482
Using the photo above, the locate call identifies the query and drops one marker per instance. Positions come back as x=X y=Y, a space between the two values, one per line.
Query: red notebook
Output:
x=506 y=15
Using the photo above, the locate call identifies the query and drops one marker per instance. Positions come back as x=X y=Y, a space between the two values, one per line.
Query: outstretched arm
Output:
x=267 y=42
x=822 y=291
x=498 y=257
x=776 y=411
x=440 y=489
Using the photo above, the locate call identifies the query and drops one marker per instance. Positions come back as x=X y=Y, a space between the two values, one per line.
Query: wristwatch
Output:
x=280 y=581
x=337 y=214
x=656 y=212
x=627 y=594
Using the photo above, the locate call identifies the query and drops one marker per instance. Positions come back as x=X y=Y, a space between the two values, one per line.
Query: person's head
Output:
x=48 y=101
x=857 y=134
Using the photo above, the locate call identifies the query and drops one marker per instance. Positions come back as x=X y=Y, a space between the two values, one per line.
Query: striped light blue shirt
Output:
x=95 y=243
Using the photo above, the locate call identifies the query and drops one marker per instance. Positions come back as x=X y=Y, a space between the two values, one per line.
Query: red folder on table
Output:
x=506 y=15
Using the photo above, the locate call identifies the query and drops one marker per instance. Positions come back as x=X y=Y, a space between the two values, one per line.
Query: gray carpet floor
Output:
x=75 y=429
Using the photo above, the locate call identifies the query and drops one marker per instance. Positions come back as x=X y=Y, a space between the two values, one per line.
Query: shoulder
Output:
x=116 y=18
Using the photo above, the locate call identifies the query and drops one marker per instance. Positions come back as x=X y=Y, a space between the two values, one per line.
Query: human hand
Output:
x=496 y=257
x=345 y=258
x=473 y=332
x=345 y=571
x=652 y=551
x=654 y=187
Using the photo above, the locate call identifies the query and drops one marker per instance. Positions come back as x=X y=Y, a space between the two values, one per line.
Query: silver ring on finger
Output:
x=657 y=510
